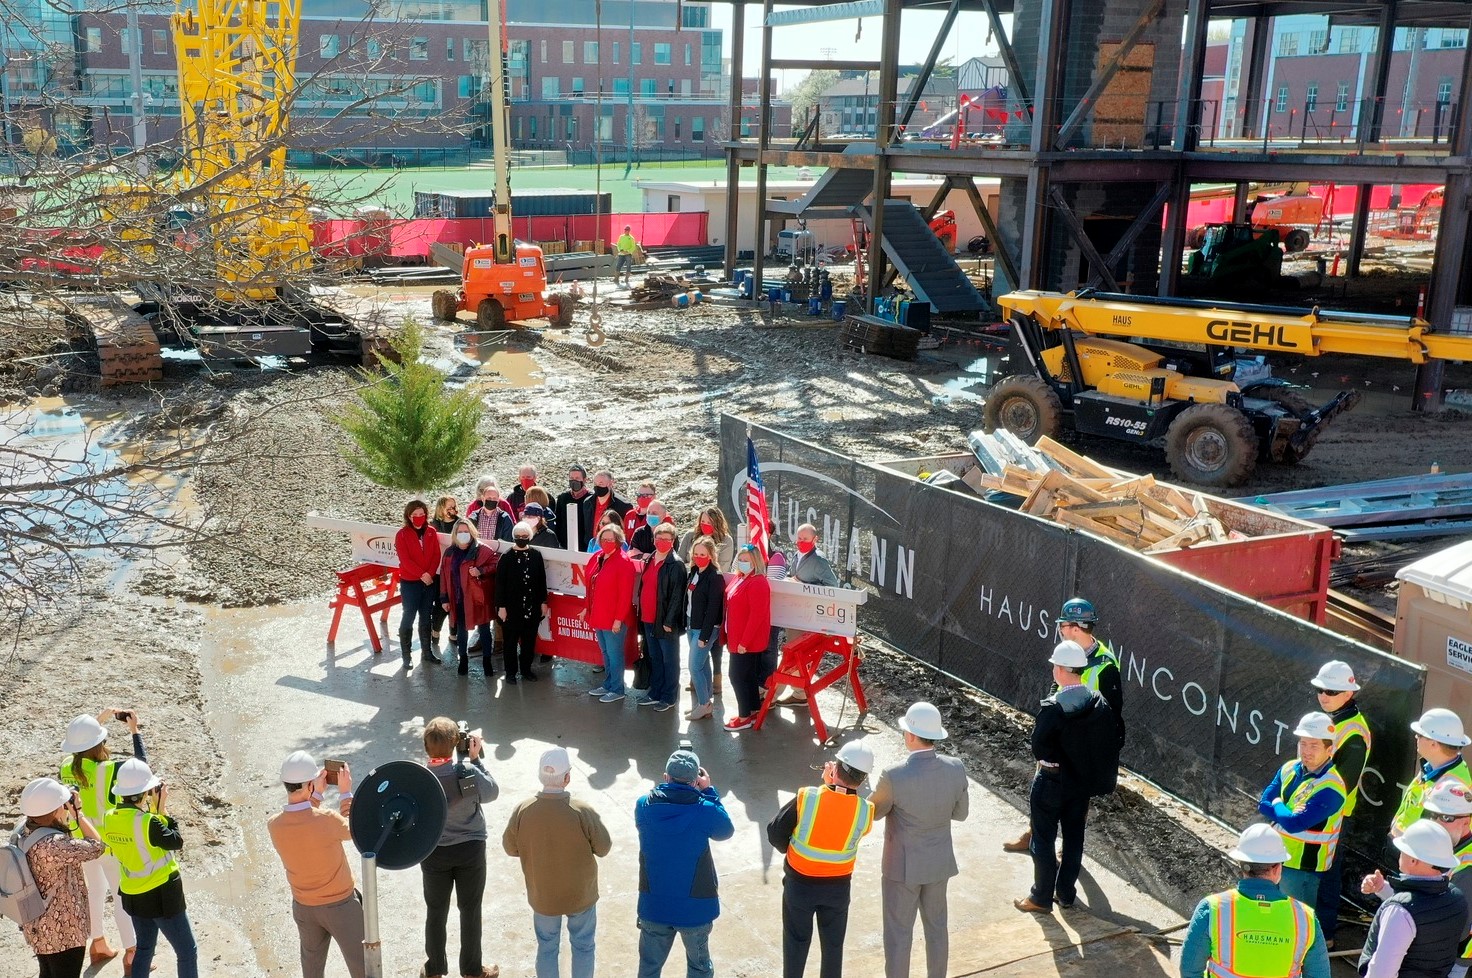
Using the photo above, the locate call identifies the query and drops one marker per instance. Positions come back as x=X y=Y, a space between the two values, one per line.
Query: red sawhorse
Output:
x=370 y=588
x=798 y=668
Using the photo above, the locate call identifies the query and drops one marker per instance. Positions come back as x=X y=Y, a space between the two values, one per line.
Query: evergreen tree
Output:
x=407 y=431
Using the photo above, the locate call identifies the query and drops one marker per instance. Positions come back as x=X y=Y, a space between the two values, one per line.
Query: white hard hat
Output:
x=1336 y=676
x=83 y=733
x=134 y=778
x=42 y=797
x=1449 y=797
x=1318 y=725
x=1260 y=844
x=923 y=720
x=299 y=768
x=1428 y=842
x=1442 y=726
x=857 y=756
x=1069 y=655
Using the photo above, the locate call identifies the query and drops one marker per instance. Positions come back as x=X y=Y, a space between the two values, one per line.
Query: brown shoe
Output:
x=1022 y=843
x=1027 y=906
x=493 y=971
x=100 y=953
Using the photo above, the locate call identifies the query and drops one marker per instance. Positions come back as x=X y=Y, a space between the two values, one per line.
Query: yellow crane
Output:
x=1161 y=372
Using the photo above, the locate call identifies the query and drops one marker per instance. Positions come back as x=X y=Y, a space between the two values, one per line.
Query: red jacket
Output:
x=610 y=590
x=418 y=555
x=477 y=592
x=748 y=613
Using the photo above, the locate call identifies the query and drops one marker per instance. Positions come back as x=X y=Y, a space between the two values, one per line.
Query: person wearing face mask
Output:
x=634 y=518
x=492 y=514
x=526 y=478
x=811 y=567
x=705 y=608
x=417 y=545
x=711 y=523
x=660 y=600
x=608 y=608
x=748 y=630
x=542 y=534
x=641 y=541
x=603 y=500
x=446 y=512
x=521 y=602
x=577 y=491
x=610 y=518
x=467 y=584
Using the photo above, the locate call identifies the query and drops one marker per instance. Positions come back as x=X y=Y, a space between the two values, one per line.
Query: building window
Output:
x=684 y=86
x=697 y=129
x=518 y=128
x=572 y=127
x=531 y=126
x=636 y=53
x=687 y=56
x=449 y=49
x=672 y=201
x=475 y=51
x=550 y=87
x=1341 y=100
x=94 y=40
x=697 y=17
x=374 y=47
x=621 y=86
x=160 y=42
x=671 y=89
x=329 y=45
x=1282 y=103
x=1288 y=44
x=125 y=41
x=677 y=129
x=646 y=86
x=745 y=127
x=590 y=52
x=419 y=49
x=426 y=91
x=1453 y=37
x=1444 y=92
x=567 y=52
x=615 y=52
x=1311 y=98
x=661 y=54
x=469 y=86
x=577 y=86
x=544 y=50
x=1318 y=42
x=1350 y=40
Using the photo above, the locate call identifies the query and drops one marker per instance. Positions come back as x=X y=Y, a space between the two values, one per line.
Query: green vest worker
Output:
x=1439 y=742
x=143 y=838
x=1254 y=931
x=625 y=247
x=1335 y=689
x=1305 y=803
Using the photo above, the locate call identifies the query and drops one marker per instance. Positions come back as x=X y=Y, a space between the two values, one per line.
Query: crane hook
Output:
x=593 y=335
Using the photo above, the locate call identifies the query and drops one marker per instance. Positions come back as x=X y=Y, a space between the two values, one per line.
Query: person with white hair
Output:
x=526 y=479
x=559 y=839
x=521 y=602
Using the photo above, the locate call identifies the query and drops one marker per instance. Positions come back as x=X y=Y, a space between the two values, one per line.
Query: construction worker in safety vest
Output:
x=820 y=831
x=1334 y=688
x=1419 y=931
x=1305 y=803
x=144 y=838
x=1075 y=623
x=1254 y=930
x=1439 y=743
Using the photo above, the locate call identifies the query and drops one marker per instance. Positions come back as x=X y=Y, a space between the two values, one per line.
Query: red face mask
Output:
x=528 y=483
x=707 y=528
x=806 y=546
x=701 y=560
x=608 y=546
x=664 y=545
x=417 y=520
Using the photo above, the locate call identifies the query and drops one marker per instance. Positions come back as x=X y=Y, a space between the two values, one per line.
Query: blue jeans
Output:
x=180 y=937
x=663 y=649
x=656 y=940
x=580 y=933
x=612 y=645
x=700 y=664
x=1301 y=885
x=1331 y=884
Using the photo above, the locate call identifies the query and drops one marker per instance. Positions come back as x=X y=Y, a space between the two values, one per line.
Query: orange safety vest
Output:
x=829 y=827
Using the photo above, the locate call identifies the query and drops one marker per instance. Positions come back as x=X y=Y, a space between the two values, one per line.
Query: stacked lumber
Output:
x=1059 y=484
x=662 y=286
x=127 y=347
x=868 y=334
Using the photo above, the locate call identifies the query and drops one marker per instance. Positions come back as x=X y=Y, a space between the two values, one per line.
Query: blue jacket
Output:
x=677 y=877
x=1196 y=950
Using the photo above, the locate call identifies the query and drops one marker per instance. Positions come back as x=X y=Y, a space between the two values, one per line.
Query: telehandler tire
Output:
x=1296 y=240
x=444 y=305
x=1025 y=406
x=490 y=315
x=1211 y=445
x=565 y=304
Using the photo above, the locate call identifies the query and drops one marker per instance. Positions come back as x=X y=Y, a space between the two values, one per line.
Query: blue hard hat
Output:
x=1078 y=611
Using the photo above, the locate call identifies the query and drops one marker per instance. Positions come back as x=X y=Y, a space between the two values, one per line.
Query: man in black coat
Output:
x=577 y=491
x=596 y=505
x=1076 y=745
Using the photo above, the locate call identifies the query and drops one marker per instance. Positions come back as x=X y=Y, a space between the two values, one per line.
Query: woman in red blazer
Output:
x=609 y=607
x=418 y=547
x=467 y=586
x=747 y=633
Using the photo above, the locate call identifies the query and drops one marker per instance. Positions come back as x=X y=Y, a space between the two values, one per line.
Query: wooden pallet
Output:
x=127 y=347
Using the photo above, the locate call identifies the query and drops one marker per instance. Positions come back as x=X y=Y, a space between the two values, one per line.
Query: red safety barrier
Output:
x=798 y=669
x=371 y=588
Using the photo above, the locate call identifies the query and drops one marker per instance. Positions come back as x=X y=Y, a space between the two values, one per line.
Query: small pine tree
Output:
x=407 y=431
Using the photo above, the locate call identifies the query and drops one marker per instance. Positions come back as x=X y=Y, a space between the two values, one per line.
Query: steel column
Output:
x=1239 y=203
x=763 y=140
x=1256 y=61
x=1173 y=242
x=1446 y=284
x=883 y=135
x=917 y=87
x=1188 y=94
x=1358 y=229
x=1372 y=110
x=733 y=163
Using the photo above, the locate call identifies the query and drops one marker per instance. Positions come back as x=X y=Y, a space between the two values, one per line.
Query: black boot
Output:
x=426 y=646
x=406 y=637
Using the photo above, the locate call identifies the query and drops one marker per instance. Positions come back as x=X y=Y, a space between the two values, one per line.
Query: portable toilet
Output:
x=1433 y=624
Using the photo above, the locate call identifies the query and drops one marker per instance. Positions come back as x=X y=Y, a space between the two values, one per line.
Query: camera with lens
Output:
x=687 y=744
x=462 y=742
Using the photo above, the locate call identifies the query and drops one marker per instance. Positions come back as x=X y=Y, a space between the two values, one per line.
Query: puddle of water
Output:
x=974 y=375
x=505 y=368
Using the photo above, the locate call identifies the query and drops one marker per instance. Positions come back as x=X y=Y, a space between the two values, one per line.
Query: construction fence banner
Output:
x=1214 y=683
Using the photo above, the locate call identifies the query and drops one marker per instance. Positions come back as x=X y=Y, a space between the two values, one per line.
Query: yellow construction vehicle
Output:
x=1168 y=376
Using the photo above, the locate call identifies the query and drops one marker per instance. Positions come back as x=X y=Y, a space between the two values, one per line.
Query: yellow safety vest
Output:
x=1413 y=802
x=97 y=795
x=829 y=827
x=1464 y=859
x=145 y=866
x=1355 y=726
x=1090 y=676
x=1258 y=938
x=1326 y=836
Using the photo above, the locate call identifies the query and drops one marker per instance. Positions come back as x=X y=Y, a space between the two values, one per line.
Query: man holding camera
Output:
x=458 y=863
x=677 y=821
x=309 y=838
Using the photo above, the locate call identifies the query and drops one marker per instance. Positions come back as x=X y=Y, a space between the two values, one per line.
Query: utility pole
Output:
x=135 y=72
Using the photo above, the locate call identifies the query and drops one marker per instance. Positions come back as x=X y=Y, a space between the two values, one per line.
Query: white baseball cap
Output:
x=923 y=720
x=1069 y=655
x=299 y=768
x=1449 y=797
x=1442 y=726
x=1336 y=676
x=857 y=756
x=135 y=777
x=83 y=733
x=42 y=797
x=553 y=764
x=1318 y=725
x=1260 y=844
x=1428 y=842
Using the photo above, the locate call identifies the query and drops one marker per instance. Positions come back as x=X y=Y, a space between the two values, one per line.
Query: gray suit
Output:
x=814 y=568
x=919 y=800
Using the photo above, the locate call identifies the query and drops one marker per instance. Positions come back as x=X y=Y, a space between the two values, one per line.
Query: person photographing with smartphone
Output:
x=145 y=840
x=58 y=931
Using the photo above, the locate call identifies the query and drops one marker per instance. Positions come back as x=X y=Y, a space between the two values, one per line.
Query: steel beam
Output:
x=917 y=87
x=1137 y=226
x=1173 y=241
x=1256 y=60
x=763 y=139
x=1106 y=74
x=1016 y=80
x=1372 y=110
x=815 y=64
x=1239 y=203
x=733 y=151
x=1188 y=94
x=1462 y=135
x=1076 y=231
x=1359 y=229
x=1052 y=42
x=1003 y=258
x=883 y=135
x=1446 y=284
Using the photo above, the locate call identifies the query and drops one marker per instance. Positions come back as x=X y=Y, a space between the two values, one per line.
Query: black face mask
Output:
x=576 y=485
x=600 y=491
x=522 y=542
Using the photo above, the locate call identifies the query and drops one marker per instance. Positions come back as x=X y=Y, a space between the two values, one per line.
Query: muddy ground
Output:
x=647 y=406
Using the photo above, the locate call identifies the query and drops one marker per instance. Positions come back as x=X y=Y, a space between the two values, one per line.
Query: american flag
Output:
x=756 y=502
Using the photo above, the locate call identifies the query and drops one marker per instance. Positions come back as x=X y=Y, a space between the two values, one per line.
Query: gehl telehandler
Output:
x=1161 y=372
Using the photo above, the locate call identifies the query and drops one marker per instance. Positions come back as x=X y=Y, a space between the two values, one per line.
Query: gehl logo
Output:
x=1249 y=334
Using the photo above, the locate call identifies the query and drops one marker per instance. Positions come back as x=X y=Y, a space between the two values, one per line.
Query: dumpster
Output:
x=1433 y=624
